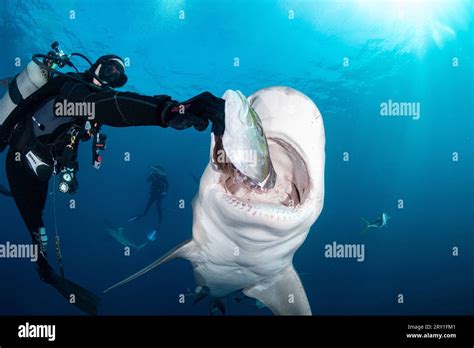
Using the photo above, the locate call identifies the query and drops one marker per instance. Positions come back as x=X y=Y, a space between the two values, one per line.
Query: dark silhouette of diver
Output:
x=158 y=180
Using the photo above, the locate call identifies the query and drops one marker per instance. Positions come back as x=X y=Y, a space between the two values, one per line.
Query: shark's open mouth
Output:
x=290 y=190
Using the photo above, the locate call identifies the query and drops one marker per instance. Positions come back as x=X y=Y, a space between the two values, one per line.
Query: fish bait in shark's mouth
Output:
x=242 y=155
x=243 y=149
x=245 y=233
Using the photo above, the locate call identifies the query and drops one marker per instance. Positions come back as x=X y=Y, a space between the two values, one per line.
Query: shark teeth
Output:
x=263 y=210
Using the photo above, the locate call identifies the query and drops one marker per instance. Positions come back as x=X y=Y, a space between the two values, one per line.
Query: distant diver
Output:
x=158 y=190
x=379 y=223
x=46 y=113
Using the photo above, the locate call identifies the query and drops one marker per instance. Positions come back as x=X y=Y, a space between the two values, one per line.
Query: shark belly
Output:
x=229 y=254
x=245 y=238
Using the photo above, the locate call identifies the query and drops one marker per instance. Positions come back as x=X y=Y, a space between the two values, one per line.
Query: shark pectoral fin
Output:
x=283 y=294
x=180 y=251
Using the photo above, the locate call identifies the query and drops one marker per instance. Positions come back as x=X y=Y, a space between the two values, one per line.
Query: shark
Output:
x=379 y=223
x=118 y=234
x=244 y=237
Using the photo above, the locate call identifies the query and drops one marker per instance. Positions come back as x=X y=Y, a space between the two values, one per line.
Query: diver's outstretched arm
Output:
x=127 y=109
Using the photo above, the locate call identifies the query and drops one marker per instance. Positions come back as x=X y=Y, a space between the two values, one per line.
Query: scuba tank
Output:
x=22 y=86
x=37 y=73
x=32 y=78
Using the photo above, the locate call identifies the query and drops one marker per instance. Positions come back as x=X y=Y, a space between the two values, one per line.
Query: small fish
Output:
x=379 y=223
x=244 y=145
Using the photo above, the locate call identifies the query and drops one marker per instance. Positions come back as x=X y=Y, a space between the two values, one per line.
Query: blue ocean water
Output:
x=349 y=57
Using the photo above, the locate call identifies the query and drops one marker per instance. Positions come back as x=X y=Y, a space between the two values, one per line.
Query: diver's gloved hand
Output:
x=197 y=112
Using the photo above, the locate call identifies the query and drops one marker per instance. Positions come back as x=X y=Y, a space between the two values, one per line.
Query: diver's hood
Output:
x=109 y=70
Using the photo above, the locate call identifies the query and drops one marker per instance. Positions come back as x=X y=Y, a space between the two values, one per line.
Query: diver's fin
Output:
x=85 y=300
x=180 y=251
x=283 y=293
x=4 y=191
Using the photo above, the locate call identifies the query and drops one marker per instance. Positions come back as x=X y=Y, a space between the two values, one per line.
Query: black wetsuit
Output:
x=118 y=109
x=112 y=108
x=158 y=190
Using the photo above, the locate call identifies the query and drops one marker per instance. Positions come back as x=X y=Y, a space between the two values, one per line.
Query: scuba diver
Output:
x=43 y=118
x=158 y=190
